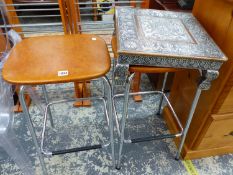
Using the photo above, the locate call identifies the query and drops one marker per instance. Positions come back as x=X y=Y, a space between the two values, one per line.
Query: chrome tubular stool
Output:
x=60 y=59
x=125 y=115
x=107 y=112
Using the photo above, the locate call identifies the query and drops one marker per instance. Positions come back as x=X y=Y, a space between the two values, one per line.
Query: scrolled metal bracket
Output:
x=121 y=73
x=207 y=76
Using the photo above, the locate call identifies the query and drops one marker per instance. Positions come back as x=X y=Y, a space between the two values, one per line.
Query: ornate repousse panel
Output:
x=164 y=33
x=163 y=29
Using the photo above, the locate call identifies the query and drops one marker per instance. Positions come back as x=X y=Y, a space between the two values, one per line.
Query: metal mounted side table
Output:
x=163 y=39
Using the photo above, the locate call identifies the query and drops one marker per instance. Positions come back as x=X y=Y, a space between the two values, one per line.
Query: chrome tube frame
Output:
x=146 y=93
x=161 y=98
x=47 y=102
x=188 y=122
x=110 y=110
x=125 y=114
x=113 y=95
x=49 y=153
x=31 y=129
x=107 y=112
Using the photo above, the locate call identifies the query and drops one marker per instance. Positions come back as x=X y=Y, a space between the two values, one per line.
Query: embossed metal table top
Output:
x=164 y=34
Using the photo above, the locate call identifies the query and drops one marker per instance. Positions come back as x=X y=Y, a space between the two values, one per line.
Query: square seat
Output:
x=57 y=59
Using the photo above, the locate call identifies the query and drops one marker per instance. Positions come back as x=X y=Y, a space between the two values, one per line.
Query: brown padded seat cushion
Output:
x=38 y=60
x=141 y=69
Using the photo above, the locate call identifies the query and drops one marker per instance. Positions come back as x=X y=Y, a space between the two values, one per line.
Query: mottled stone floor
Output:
x=80 y=126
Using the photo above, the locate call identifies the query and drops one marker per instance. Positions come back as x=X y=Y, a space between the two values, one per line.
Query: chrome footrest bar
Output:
x=151 y=138
x=78 y=149
x=146 y=93
x=126 y=96
x=72 y=150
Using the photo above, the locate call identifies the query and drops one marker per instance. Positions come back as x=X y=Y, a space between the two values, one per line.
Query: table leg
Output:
x=207 y=76
x=161 y=98
x=192 y=110
x=31 y=129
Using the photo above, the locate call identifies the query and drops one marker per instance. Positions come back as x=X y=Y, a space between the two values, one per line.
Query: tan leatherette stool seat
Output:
x=40 y=59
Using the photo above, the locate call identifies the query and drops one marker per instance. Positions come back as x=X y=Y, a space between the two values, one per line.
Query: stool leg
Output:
x=110 y=113
x=47 y=102
x=113 y=92
x=123 y=120
x=113 y=77
x=192 y=110
x=31 y=129
x=161 y=98
x=103 y=89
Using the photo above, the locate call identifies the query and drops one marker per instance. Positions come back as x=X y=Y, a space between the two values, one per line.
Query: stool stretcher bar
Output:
x=125 y=116
x=85 y=148
x=146 y=93
x=71 y=150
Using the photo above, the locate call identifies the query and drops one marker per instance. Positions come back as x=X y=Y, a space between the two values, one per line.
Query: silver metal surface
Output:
x=113 y=93
x=31 y=129
x=124 y=116
x=146 y=93
x=188 y=122
x=47 y=102
x=174 y=113
x=110 y=111
x=107 y=112
x=163 y=87
x=47 y=153
x=164 y=33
